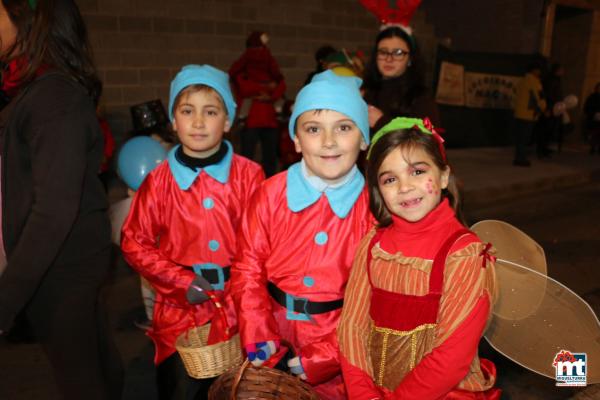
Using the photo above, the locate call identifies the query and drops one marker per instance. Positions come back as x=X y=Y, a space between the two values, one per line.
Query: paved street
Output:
x=565 y=224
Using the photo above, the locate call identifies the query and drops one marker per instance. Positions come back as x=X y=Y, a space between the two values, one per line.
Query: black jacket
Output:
x=53 y=205
x=391 y=98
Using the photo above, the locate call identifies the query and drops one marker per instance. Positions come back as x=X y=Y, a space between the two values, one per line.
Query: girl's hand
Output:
x=296 y=367
x=260 y=352
x=374 y=115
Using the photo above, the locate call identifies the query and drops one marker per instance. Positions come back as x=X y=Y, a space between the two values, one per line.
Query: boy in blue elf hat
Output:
x=180 y=233
x=298 y=236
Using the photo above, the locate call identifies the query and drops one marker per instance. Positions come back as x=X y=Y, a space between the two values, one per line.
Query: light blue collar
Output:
x=304 y=190
x=185 y=176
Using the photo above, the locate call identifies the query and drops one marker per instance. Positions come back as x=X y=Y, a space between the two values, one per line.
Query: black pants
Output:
x=522 y=131
x=174 y=383
x=268 y=140
x=69 y=319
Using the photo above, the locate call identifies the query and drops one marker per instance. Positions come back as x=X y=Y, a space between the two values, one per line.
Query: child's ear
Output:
x=363 y=145
x=227 y=126
x=297 y=144
x=445 y=177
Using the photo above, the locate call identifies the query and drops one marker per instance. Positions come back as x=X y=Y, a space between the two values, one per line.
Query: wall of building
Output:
x=499 y=26
x=571 y=48
x=139 y=45
x=592 y=76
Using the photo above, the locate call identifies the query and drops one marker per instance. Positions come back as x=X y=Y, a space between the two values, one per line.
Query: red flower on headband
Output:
x=436 y=134
x=392 y=11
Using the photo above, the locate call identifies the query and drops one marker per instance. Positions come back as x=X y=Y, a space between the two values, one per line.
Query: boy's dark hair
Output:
x=406 y=139
x=413 y=78
x=53 y=33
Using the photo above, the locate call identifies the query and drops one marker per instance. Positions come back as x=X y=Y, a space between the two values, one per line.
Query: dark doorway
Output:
x=570 y=45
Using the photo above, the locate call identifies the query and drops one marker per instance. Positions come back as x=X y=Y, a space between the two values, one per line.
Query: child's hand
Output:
x=196 y=293
x=296 y=367
x=260 y=352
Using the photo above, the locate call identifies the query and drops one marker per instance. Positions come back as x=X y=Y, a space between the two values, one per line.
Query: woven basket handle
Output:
x=244 y=367
x=238 y=378
x=220 y=311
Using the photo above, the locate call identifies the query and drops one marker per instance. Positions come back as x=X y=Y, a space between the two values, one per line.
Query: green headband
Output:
x=424 y=125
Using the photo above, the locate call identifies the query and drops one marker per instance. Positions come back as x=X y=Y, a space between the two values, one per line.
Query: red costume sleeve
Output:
x=359 y=385
x=249 y=276
x=442 y=369
x=278 y=91
x=139 y=242
x=247 y=87
x=320 y=360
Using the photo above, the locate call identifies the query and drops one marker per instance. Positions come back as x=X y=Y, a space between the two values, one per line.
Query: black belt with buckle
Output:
x=212 y=275
x=301 y=305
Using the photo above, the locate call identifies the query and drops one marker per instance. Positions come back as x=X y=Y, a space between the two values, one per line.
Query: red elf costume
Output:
x=296 y=245
x=257 y=72
x=183 y=223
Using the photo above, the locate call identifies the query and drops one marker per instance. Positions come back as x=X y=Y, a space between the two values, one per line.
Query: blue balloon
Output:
x=137 y=158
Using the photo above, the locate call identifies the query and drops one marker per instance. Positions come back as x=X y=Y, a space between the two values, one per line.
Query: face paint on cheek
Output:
x=429 y=187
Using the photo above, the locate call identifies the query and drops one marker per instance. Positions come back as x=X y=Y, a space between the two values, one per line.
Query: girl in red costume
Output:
x=180 y=232
x=299 y=234
x=422 y=285
x=257 y=79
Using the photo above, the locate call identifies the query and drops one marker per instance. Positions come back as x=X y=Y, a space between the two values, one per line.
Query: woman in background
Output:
x=394 y=81
x=55 y=232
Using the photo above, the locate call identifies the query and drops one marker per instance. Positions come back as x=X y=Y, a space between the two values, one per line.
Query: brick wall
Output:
x=139 y=45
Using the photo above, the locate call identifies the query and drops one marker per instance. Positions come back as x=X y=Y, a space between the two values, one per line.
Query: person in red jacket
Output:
x=257 y=79
x=180 y=232
x=298 y=237
x=422 y=285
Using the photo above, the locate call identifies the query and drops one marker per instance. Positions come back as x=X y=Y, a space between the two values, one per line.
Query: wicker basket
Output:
x=202 y=361
x=262 y=383
x=207 y=361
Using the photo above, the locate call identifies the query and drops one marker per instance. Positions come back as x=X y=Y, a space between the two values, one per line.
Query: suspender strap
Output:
x=436 y=278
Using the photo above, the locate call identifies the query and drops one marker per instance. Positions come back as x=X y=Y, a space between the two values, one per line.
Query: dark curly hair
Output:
x=52 y=34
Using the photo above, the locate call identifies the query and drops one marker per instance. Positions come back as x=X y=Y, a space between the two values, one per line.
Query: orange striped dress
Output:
x=468 y=288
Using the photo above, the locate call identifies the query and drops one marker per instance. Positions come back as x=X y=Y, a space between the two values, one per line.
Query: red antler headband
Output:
x=393 y=12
